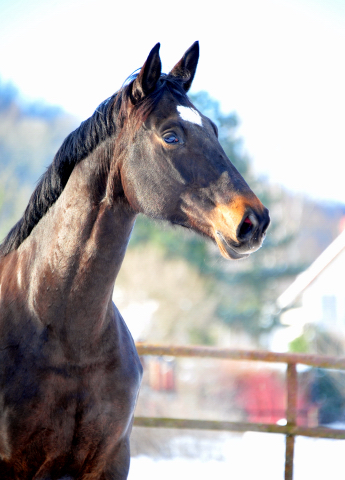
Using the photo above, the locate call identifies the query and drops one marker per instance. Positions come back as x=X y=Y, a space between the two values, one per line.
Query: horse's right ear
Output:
x=186 y=67
x=148 y=76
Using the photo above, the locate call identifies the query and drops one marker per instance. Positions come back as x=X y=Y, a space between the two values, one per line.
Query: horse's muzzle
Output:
x=250 y=234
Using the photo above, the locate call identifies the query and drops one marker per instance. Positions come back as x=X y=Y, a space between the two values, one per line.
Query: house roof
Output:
x=304 y=279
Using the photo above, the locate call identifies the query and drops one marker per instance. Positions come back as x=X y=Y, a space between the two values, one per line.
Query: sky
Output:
x=279 y=64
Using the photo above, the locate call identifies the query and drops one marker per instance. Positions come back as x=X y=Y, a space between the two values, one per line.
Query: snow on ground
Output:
x=253 y=455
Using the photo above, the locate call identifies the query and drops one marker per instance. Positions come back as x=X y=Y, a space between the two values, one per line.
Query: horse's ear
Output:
x=148 y=76
x=186 y=67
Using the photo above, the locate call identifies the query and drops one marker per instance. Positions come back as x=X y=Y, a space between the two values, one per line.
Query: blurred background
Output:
x=271 y=75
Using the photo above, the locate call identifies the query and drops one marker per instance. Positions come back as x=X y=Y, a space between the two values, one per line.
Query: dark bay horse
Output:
x=69 y=371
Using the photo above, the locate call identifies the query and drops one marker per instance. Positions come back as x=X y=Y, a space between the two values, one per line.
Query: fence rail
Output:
x=290 y=430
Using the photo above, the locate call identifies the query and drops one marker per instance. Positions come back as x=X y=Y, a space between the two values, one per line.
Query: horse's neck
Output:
x=74 y=254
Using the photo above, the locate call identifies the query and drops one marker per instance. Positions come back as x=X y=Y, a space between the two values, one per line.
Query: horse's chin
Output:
x=227 y=250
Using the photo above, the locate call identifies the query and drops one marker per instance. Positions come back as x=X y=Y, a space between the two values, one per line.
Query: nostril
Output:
x=253 y=227
x=246 y=228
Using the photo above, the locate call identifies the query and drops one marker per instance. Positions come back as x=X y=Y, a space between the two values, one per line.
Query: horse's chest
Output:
x=68 y=411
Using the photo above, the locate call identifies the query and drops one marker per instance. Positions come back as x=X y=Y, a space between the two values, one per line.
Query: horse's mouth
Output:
x=227 y=250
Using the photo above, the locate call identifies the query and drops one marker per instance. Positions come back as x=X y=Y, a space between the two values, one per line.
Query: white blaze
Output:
x=190 y=115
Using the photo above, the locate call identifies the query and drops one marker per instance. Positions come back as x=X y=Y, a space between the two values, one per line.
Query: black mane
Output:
x=79 y=144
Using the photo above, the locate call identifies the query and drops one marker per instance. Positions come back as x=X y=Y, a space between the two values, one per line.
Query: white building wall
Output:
x=324 y=300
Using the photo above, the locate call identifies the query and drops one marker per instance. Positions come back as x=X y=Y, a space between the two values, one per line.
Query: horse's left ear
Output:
x=186 y=67
x=148 y=76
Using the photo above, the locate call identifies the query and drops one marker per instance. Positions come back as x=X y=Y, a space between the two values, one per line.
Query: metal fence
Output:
x=290 y=430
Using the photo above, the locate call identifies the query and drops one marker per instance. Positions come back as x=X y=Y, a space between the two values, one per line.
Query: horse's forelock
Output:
x=132 y=116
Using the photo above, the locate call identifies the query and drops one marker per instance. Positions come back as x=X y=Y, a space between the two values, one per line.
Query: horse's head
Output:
x=175 y=168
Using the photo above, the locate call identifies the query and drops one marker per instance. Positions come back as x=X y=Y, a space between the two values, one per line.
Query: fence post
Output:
x=290 y=418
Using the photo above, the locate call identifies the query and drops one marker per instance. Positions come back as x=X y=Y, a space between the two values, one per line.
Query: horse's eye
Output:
x=171 y=138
